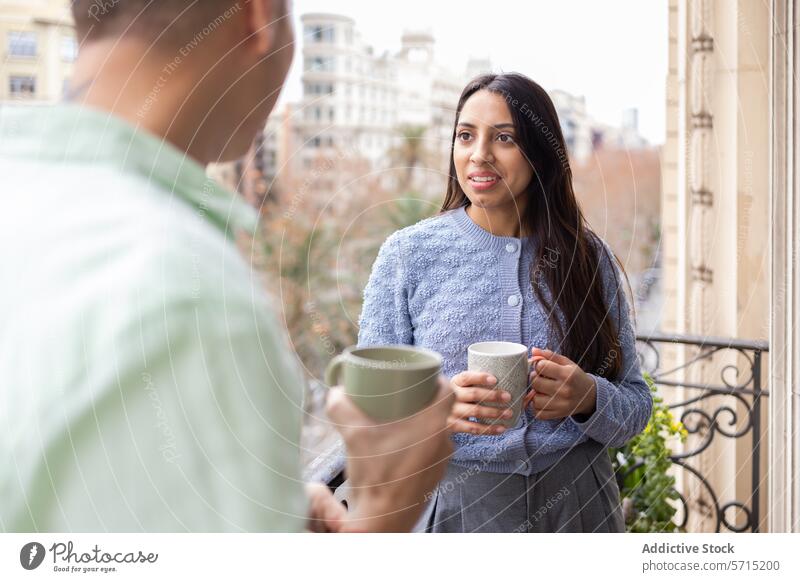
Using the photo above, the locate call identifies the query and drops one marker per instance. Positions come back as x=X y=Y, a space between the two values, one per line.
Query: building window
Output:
x=319 y=89
x=321 y=64
x=69 y=49
x=22 y=86
x=319 y=34
x=22 y=44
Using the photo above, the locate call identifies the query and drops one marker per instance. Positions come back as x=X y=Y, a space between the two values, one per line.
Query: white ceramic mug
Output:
x=508 y=362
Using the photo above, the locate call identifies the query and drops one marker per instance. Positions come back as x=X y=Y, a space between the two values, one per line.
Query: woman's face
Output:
x=490 y=167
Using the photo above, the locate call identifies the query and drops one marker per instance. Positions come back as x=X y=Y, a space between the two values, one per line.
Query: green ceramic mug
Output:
x=387 y=382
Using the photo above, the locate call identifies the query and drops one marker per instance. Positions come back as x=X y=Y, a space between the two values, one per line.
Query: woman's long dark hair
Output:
x=567 y=254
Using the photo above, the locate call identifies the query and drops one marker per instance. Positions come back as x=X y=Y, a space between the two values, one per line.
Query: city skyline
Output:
x=598 y=69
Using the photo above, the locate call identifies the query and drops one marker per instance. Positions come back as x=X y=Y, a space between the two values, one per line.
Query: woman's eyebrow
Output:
x=498 y=126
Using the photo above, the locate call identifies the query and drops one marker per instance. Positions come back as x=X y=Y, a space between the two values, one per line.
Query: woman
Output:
x=511 y=258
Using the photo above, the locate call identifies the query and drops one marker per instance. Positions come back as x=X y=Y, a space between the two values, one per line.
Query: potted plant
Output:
x=642 y=465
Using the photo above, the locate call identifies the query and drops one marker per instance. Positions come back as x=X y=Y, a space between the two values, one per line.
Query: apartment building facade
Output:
x=39 y=49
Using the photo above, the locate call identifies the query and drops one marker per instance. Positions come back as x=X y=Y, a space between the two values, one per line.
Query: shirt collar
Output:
x=68 y=133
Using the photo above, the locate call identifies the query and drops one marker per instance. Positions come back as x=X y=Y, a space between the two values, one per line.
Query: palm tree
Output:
x=410 y=153
x=409 y=209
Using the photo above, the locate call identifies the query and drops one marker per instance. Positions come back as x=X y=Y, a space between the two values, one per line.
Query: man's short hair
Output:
x=181 y=19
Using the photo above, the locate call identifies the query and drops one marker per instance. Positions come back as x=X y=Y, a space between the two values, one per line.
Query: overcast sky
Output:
x=614 y=52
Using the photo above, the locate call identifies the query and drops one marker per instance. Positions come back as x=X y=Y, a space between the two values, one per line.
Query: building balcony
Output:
x=714 y=386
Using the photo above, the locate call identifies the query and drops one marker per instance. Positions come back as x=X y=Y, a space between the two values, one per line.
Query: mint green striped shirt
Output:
x=145 y=384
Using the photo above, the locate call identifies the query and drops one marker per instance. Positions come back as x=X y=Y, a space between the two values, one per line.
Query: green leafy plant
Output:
x=647 y=490
x=408 y=209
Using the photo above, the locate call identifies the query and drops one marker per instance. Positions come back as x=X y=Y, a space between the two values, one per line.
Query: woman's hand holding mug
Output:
x=559 y=387
x=472 y=391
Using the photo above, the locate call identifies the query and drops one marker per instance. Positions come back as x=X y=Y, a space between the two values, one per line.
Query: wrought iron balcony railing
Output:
x=709 y=410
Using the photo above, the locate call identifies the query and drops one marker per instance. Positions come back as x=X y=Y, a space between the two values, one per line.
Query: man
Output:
x=144 y=383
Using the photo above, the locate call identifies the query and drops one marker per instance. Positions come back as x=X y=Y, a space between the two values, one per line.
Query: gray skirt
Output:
x=576 y=494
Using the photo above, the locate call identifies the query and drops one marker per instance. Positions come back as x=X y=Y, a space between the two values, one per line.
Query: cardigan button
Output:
x=511 y=248
x=513 y=300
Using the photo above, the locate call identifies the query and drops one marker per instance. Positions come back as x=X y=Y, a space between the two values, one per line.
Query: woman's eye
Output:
x=505 y=138
x=463 y=136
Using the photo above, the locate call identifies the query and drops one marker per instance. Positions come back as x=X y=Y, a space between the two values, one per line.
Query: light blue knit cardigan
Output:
x=445 y=283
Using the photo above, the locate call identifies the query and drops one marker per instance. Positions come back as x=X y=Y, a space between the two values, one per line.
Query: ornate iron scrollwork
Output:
x=736 y=386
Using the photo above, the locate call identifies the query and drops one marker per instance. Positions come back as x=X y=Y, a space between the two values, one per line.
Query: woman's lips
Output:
x=483 y=181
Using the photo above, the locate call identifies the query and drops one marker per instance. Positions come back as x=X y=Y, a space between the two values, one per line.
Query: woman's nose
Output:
x=482 y=154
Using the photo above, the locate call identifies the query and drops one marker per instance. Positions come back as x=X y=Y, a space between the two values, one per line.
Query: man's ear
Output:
x=261 y=21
